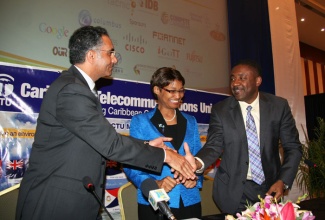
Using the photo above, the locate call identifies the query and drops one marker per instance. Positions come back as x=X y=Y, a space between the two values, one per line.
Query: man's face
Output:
x=244 y=83
x=106 y=58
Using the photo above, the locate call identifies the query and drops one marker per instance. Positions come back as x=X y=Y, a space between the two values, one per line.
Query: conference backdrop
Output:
x=189 y=35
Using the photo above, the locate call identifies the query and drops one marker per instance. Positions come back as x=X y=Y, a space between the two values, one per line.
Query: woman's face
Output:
x=170 y=96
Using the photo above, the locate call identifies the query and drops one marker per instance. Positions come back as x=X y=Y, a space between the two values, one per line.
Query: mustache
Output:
x=236 y=88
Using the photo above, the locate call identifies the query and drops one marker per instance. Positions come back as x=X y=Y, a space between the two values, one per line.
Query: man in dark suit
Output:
x=73 y=139
x=236 y=182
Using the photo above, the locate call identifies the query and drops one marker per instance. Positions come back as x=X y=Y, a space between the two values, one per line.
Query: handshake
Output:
x=184 y=167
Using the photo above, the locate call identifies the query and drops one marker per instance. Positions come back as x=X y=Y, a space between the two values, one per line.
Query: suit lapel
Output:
x=237 y=118
x=160 y=124
x=264 y=114
x=82 y=80
x=158 y=121
x=78 y=75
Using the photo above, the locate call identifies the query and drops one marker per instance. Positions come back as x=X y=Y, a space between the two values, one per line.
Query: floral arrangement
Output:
x=269 y=209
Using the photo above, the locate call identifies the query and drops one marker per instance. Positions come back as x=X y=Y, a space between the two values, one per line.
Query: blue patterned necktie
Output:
x=254 y=149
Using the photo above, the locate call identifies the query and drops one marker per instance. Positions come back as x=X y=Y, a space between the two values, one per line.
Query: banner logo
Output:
x=59 y=32
x=168 y=38
x=175 y=20
x=6 y=84
x=85 y=18
x=135 y=43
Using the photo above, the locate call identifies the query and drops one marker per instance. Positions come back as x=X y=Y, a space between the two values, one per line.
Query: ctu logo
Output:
x=6 y=84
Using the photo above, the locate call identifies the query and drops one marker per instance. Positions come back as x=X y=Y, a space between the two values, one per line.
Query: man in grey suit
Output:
x=73 y=139
x=235 y=183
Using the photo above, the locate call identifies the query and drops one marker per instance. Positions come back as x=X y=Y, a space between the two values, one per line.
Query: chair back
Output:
x=128 y=202
x=8 y=202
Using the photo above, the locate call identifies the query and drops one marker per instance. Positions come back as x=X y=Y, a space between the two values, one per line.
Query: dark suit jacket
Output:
x=73 y=139
x=227 y=135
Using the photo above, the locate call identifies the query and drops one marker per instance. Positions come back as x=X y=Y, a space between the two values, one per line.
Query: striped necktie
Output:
x=254 y=149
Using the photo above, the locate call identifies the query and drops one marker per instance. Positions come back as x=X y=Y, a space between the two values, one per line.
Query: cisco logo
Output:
x=133 y=42
x=6 y=84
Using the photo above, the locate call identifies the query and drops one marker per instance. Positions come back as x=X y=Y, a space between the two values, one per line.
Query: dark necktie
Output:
x=254 y=149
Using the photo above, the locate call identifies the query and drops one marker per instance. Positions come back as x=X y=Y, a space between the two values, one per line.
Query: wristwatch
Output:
x=285 y=186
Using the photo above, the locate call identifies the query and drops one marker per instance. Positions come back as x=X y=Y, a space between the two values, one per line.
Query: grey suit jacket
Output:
x=73 y=139
x=227 y=136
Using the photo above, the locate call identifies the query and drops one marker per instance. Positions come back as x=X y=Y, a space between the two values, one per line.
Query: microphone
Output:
x=156 y=197
x=88 y=184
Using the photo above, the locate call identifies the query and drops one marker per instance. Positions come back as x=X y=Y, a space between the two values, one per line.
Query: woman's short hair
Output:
x=163 y=76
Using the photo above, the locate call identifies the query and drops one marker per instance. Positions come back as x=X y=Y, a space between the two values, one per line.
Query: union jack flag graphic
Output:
x=15 y=169
x=15 y=164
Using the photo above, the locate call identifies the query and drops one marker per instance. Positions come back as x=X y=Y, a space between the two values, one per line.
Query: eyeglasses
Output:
x=110 y=52
x=173 y=92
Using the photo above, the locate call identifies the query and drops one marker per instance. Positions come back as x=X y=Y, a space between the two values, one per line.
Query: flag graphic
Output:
x=15 y=169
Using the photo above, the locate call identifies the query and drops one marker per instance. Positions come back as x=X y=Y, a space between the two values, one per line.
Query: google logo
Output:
x=59 y=32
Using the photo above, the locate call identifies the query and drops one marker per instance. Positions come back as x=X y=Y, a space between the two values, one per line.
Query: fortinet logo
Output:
x=168 y=38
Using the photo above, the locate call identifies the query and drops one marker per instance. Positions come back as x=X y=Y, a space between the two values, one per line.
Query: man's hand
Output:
x=160 y=142
x=189 y=157
x=180 y=164
x=277 y=188
x=190 y=183
x=167 y=183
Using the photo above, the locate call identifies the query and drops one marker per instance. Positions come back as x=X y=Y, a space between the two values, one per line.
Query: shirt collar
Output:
x=89 y=81
x=254 y=104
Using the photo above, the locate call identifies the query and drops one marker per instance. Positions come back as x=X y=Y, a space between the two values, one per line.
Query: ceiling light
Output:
x=302 y=19
x=323 y=29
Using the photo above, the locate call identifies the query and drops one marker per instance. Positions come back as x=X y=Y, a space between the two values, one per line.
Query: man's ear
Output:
x=258 y=81
x=90 y=56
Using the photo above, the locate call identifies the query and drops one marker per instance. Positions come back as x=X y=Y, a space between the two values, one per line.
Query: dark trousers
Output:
x=250 y=195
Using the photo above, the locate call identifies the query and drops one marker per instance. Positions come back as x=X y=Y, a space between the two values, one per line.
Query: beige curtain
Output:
x=287 y=64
